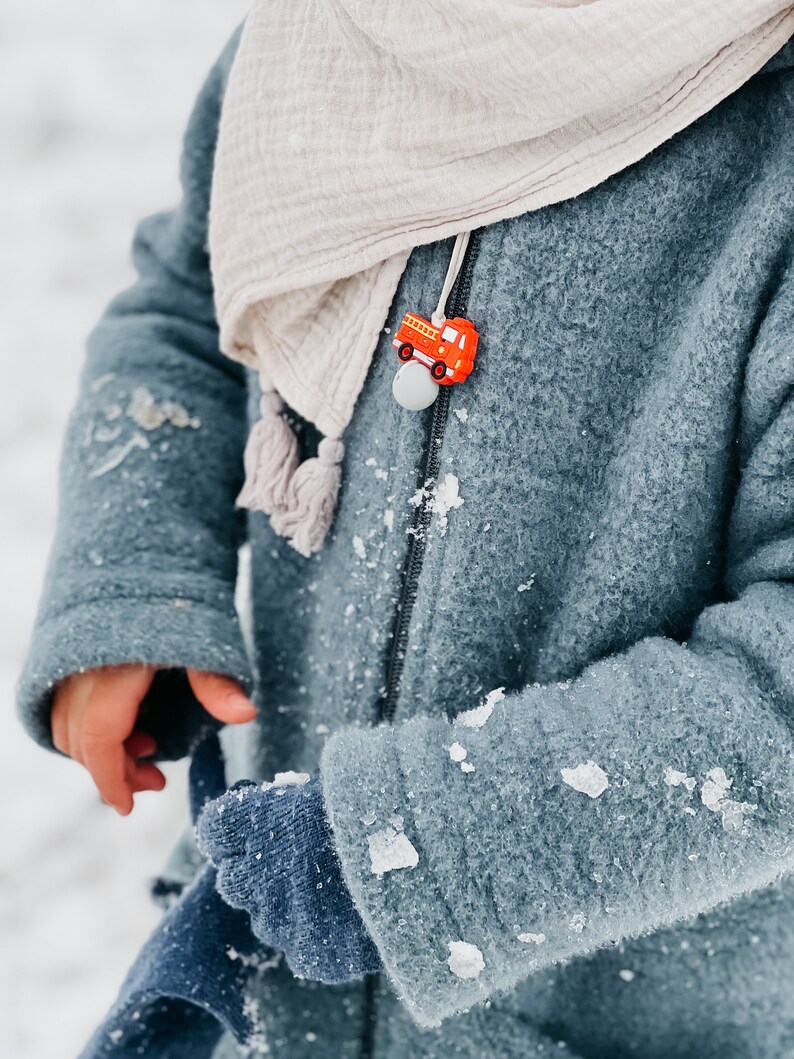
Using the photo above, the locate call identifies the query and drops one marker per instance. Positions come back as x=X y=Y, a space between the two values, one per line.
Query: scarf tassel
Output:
x=270 y=459
x=311 y=499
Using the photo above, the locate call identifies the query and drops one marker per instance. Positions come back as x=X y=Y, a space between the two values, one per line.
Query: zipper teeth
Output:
x=421 y=519
x=416 y=554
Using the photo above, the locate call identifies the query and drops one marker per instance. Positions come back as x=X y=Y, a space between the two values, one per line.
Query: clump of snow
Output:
x=577 y=922
x=714 y=789
x=285 y=779
x=674 y=778
x=151 y=415
x=627 y=975
x=358 y=548
x=388 y=518
x=532 y=939
x=462 y=414
x=418 y=496
x=368 y=818
x=477 y=717
x=713 y=794
x=350 y=609
x=445 y=497
x=588 y=778
x=321 y=729
x=528 y=584
x=465 y=960
x=458 y=754
x=390 y=850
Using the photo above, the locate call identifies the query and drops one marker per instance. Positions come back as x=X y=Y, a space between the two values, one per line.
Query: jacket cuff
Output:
x=173 y=632
x=377 y=822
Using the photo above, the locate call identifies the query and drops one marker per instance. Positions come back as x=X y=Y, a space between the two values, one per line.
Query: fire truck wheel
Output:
x=406 y=351
x=439 y=370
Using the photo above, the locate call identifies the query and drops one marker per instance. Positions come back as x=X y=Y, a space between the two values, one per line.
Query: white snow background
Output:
x=94 y=98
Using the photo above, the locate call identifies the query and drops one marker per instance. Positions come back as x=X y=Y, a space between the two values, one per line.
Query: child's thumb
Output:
x=221 y=697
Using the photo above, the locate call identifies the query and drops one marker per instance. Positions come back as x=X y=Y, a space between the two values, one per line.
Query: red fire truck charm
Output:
x=447 y=351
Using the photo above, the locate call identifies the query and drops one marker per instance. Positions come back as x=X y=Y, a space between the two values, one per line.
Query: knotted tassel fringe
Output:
x=311 y=498
x=270 y=459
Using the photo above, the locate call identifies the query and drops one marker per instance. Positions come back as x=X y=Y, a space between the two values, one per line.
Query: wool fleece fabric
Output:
x=589 y=543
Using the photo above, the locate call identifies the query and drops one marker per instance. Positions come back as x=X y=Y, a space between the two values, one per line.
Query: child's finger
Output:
x=107 y=764
x=143 y=776
x=221 y=697
x=140 y=744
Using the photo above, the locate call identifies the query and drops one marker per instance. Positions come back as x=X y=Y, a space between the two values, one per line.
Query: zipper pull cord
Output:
x=458 y=252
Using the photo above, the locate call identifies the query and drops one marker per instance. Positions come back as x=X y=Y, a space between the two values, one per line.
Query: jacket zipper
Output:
x=412 y=568
x=457 y=304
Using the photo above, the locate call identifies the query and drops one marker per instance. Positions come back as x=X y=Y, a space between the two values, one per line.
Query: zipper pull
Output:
x=435 y=352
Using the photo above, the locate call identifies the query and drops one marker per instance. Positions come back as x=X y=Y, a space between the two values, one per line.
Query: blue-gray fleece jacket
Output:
x=601 y=853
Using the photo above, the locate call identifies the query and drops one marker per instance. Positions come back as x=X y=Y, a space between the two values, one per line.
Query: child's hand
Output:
x=93 y=721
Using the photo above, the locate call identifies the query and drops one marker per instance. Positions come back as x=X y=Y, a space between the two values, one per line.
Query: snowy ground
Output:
x=93 y=101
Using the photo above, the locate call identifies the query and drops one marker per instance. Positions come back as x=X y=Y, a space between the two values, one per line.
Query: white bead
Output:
x=413 y=387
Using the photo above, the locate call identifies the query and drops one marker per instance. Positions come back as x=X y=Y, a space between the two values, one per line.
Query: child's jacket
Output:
x=599 y=521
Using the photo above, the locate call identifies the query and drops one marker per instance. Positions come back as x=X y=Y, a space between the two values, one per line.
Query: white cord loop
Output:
x=458 y=252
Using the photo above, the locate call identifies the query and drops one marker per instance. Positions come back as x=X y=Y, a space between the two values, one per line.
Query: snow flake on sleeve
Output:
x=358 y=548
x=532 y=939
x=117 y=455
x=465 y=960
x=577 y=922
x=462 y=414
x=588 y=778
x=458 y=754
x=389 y=850
x=713 y=794
x=477 y=717
x=151 y=414
x=714 y=789
x=674 y=778
x=627 y=975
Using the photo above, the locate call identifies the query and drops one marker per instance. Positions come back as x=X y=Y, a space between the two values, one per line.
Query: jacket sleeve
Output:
x=144 y=560
x=656 y=784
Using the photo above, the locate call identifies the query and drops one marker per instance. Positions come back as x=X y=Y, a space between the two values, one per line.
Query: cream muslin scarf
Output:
x=355 y=130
